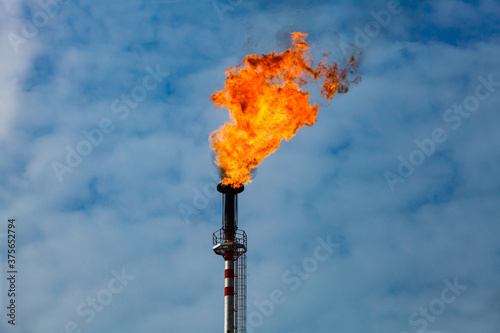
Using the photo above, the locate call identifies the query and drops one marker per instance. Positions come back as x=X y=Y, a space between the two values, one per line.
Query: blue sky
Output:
x=106 y=166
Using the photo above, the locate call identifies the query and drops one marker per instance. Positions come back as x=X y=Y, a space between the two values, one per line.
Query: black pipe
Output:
x=230 y=207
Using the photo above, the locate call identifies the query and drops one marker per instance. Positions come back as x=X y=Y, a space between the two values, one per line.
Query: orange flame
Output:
x=266 y=105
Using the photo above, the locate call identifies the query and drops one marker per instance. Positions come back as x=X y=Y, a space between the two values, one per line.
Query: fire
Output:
x=266 y=105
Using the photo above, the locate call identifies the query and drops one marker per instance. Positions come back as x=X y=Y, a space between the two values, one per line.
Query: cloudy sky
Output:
x=382 y=217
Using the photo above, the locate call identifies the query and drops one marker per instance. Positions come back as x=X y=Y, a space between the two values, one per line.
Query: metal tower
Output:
x=231 y=244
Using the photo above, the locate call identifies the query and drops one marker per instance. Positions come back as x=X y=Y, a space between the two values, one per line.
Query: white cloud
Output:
x=119 y=207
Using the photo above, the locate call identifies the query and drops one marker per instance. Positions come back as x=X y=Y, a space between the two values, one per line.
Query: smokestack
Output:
x=230 y=207
x=231 y=244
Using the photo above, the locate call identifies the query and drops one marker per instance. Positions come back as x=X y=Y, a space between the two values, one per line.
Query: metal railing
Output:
x=238 y=243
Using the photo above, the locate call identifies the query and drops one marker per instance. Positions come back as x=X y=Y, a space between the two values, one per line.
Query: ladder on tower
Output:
x=240 y=294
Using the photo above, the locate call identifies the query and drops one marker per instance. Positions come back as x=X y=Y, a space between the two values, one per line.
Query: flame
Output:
x=266 y=105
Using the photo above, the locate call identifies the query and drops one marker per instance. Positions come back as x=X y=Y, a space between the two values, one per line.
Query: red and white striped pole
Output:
x=229 y=293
